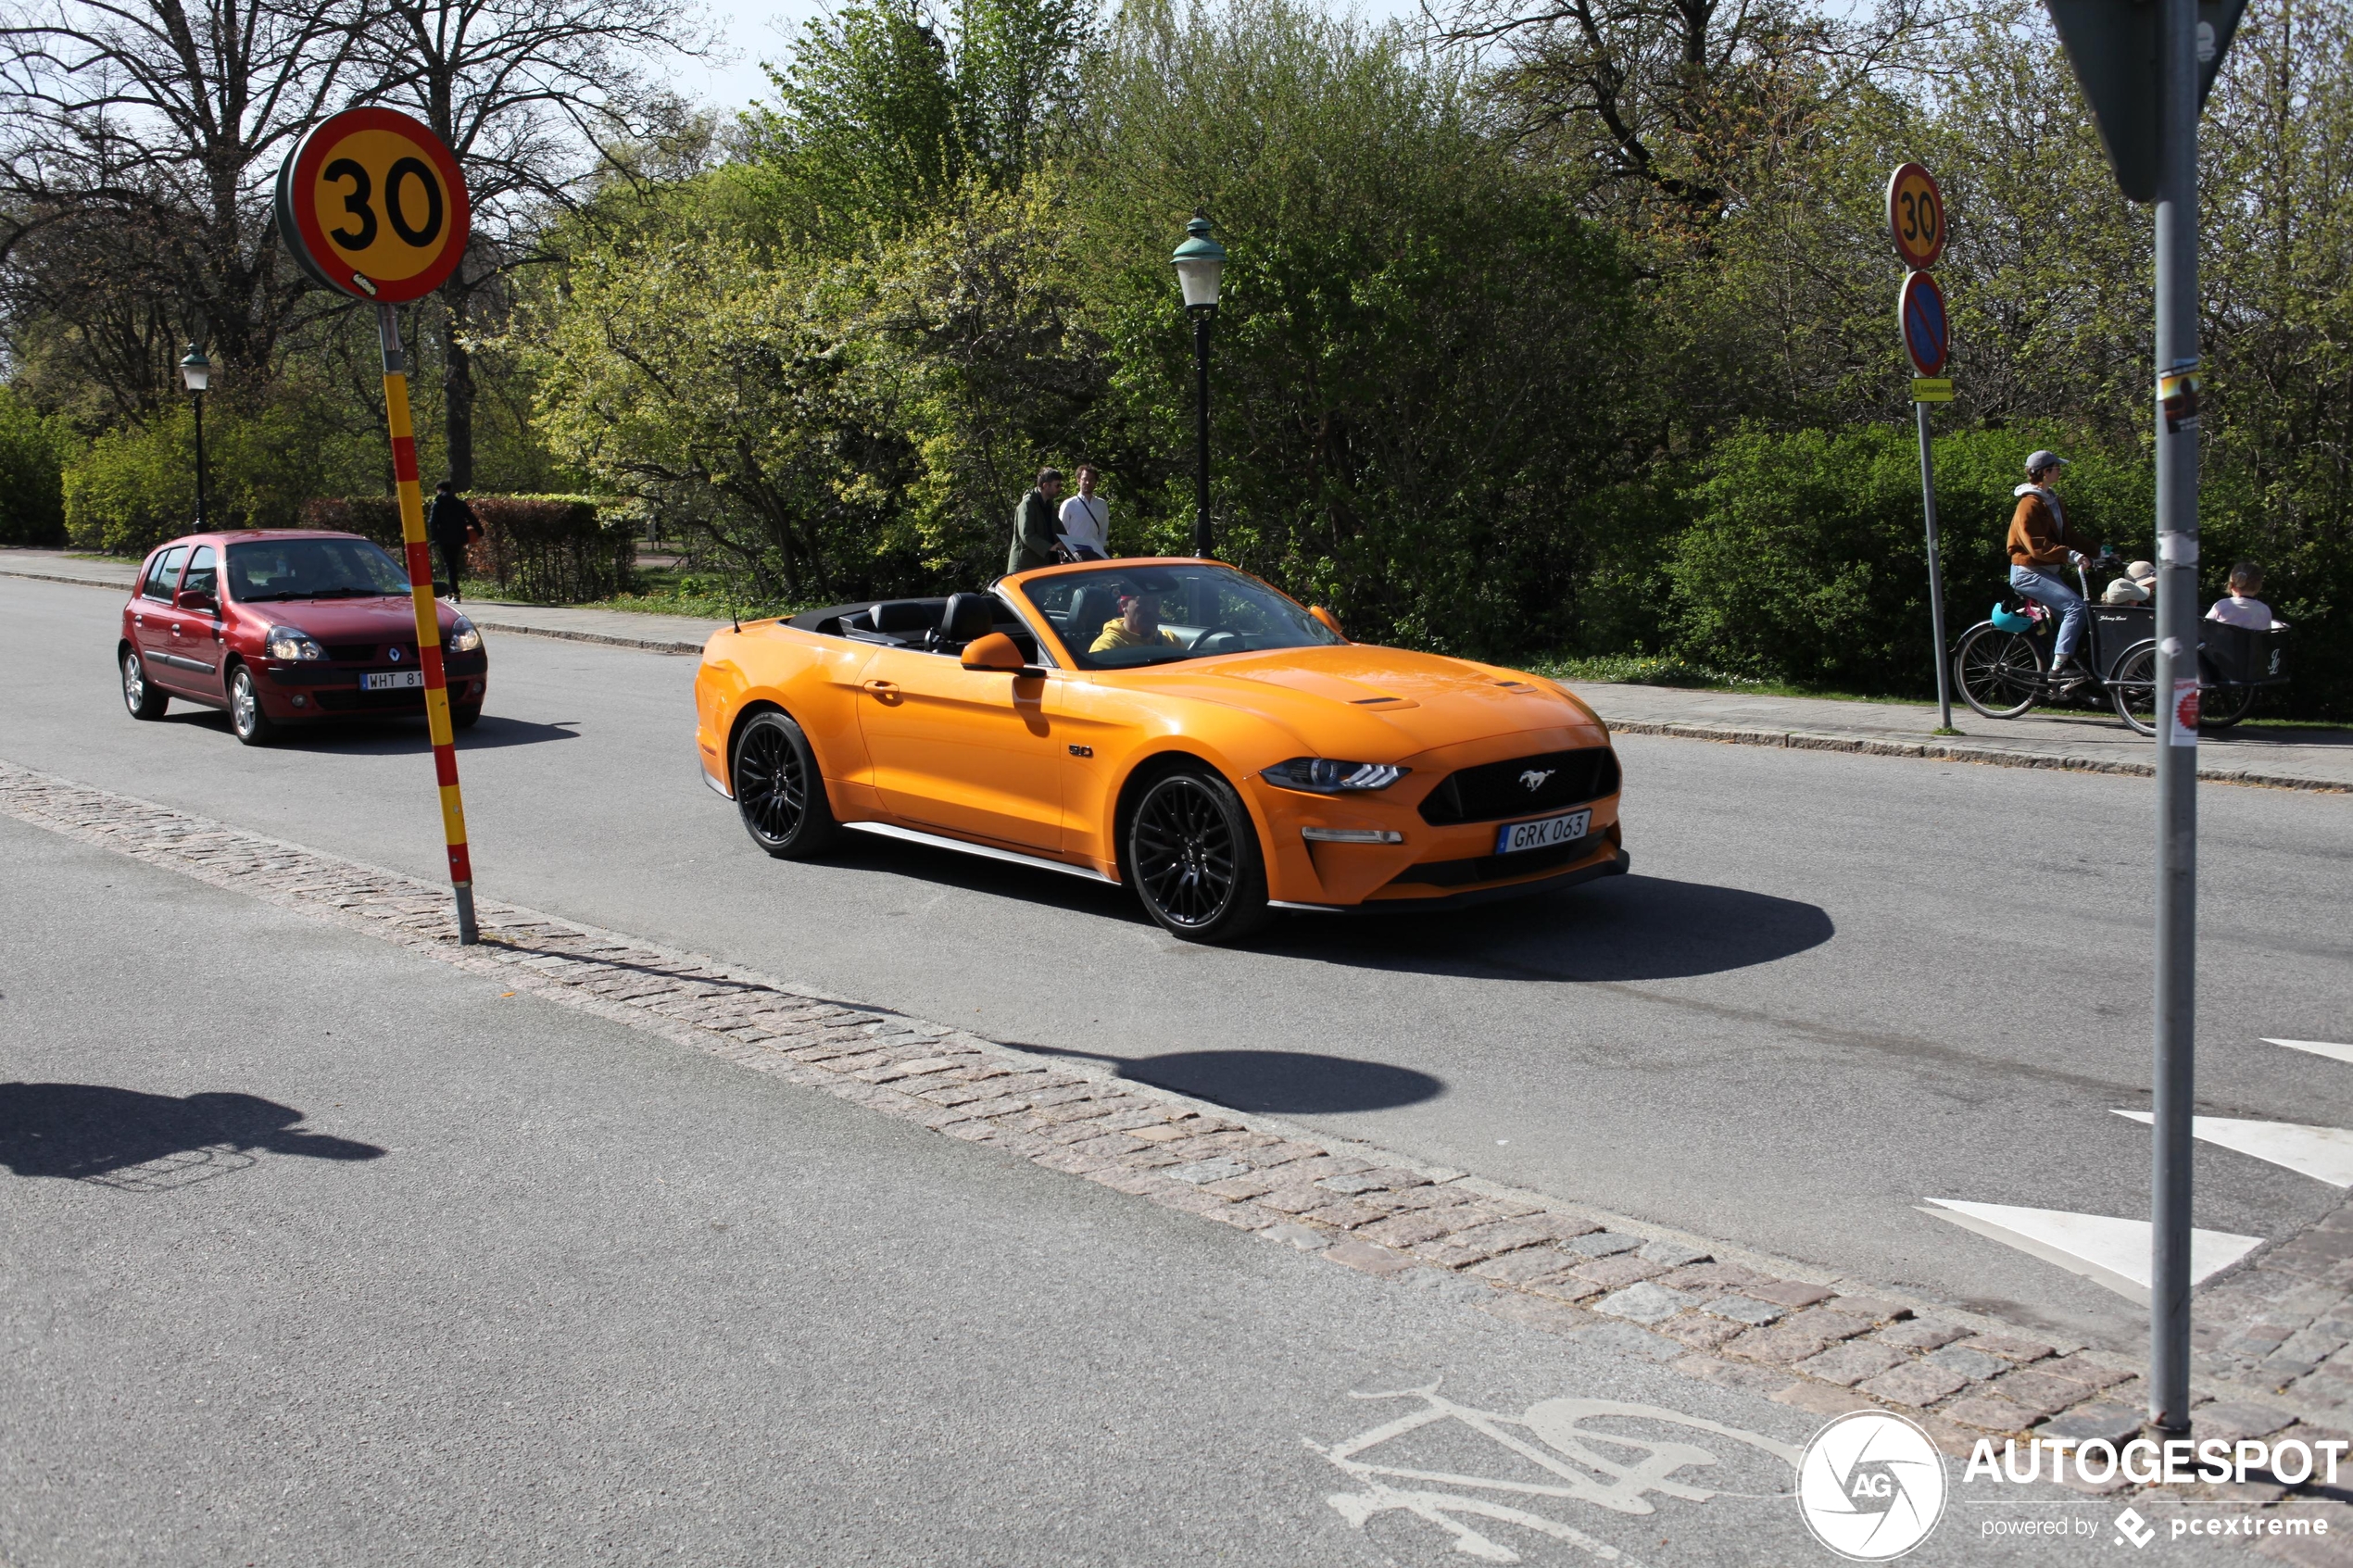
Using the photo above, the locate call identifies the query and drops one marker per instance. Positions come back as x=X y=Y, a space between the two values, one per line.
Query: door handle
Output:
x=883 y=688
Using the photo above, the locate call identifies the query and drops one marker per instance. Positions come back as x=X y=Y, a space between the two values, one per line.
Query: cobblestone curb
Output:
x=645 y=644
x=1940 y=751
x=1723 y=1315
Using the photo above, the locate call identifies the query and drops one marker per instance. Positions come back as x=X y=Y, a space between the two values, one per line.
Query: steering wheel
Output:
x=1219 y=640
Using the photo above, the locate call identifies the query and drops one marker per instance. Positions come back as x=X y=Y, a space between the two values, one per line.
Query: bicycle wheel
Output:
x=2220 y=706
x=2000 y=674
x=2132 y=685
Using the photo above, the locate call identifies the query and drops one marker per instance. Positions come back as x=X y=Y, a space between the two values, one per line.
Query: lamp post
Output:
x=1198 y=262
x=196 y=370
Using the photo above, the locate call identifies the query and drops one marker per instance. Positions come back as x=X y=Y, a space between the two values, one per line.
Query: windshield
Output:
x=312 y=569
x=1122 y=617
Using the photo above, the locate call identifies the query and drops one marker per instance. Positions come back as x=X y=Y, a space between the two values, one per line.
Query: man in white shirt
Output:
x=1085 y=520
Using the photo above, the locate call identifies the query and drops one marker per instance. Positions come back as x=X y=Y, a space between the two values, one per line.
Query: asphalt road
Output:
x=317 y=1253
x=1836 y=984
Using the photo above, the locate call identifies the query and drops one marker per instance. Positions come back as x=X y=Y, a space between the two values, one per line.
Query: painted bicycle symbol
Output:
x=1606 y=1469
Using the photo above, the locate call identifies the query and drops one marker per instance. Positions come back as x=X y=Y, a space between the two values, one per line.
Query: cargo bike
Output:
x=2003 y=664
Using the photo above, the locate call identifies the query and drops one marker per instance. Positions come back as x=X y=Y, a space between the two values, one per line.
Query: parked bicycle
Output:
x=2003 y=663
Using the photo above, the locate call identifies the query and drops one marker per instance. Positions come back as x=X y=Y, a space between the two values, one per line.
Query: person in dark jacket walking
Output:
x=451 y=525
x=1037 y=528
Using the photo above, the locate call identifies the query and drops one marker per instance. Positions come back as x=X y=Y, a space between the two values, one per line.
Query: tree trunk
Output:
x=456 y=388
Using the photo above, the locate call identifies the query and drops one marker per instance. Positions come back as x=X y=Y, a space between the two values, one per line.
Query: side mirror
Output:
x=995 y=651
x=195 y=598
x=1331 y=622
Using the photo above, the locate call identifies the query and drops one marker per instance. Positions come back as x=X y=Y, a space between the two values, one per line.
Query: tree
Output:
x=530 y=95
x=138 y=141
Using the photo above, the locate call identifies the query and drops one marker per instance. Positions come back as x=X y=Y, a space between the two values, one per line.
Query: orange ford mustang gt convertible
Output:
x=1175 y=725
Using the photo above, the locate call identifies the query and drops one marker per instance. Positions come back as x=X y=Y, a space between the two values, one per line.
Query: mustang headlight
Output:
x=463 y=638
x=1322 y=775
x=291 y=644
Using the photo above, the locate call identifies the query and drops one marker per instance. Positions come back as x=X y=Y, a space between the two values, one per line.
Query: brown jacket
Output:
x=2038 y=538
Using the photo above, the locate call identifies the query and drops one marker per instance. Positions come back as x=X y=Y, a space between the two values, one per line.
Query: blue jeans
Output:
x=2065 y=601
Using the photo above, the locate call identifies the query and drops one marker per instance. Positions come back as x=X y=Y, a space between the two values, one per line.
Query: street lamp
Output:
x=196 y=370
x=1198 y=262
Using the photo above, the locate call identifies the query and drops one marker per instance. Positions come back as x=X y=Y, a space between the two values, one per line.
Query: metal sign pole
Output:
x=2177 y=676
x=421 y=595
x=1935 y=577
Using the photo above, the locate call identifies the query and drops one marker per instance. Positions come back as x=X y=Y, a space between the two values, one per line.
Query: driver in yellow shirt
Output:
x=1138 y=625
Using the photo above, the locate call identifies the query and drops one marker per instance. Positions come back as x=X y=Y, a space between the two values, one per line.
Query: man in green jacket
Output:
x=1036 y=527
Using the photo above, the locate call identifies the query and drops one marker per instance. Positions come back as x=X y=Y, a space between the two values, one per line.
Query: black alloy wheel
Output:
x=253 y=726
x=779 y=793
x=2000 y=674
x=143 y=696
x=1193 y=856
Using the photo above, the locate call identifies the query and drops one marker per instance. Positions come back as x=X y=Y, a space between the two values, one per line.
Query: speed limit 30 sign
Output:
x=373 y=205
x=1916 y=216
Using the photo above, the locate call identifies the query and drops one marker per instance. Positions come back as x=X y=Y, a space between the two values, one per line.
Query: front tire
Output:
x=254 y=727
x=143 y=696
x=2000 y=674
x=780 y=795
x=1192 y=852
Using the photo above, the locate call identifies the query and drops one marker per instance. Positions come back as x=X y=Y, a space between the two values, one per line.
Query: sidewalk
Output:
x=2076 y=740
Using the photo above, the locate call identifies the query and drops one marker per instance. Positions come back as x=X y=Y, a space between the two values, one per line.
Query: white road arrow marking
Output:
x=2318 y=1047
x=2324 y=1153
x=2110 y=1252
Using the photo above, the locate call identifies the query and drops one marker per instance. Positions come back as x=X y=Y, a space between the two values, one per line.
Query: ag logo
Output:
x=1871 y=1486
x=1535 y=780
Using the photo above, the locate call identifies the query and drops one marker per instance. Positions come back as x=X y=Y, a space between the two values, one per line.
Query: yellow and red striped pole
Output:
x=412 y=534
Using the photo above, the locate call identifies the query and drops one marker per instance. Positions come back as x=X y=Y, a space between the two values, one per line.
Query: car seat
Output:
x=968 y=618
x=1090 y=607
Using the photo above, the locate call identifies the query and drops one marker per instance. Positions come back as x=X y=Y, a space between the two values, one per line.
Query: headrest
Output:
x=969 y=617
x=1090 y=607
x=901 y=615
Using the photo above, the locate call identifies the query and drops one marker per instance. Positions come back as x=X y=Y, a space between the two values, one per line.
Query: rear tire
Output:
x=2000 y=674
x=780 y=794
x=253 y=726
x=143 y=696
x=1192 y=853
x=2133 y=686
x=2219 y=707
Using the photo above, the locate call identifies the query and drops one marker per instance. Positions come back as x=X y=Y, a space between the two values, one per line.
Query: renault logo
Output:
x=1534 y=779
x=393 y=653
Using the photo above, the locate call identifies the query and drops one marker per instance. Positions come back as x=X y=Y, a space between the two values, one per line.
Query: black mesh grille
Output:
x=1496 y=790
x=1495 y=868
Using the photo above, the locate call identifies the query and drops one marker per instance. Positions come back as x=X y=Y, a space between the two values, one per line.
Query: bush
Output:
x=133 y=489
x=555 y=549
x=33 y=498
x=1805 y=559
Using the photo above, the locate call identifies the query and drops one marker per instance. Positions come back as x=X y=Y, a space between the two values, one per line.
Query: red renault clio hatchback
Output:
x=282 y=628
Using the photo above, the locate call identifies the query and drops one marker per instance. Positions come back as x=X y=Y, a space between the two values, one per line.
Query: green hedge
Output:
x=33 y=498
x=1805 y=558
x=551 y=550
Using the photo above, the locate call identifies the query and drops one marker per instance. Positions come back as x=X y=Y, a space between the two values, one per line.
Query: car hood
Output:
x=1372 y=700
x=348 y=621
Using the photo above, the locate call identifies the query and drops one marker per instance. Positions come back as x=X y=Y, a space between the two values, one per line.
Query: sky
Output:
x=752 y=30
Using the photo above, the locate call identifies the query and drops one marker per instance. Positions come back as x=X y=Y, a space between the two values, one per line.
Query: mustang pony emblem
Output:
x=1534 y=778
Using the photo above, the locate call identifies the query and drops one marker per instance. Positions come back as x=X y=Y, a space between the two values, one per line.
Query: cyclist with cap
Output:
x=2040 y=541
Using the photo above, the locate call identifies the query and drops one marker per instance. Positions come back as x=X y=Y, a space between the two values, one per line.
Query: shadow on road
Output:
x=364 y=737
x=142 y=1142
x=1627 y=928
x=1270 y=1083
